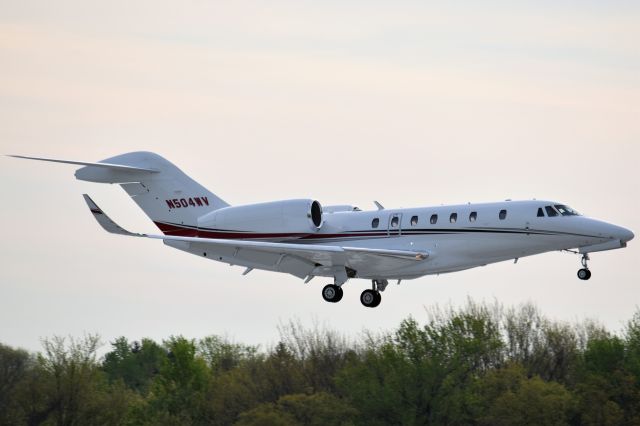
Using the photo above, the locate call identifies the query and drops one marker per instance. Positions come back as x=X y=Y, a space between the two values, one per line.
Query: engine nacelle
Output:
x=300 y=217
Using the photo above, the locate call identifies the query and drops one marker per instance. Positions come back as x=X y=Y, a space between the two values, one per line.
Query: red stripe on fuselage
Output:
x=174 y=230
x=182 y=231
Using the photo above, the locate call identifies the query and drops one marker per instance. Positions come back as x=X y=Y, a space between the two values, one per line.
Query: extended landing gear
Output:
x=584 y=273
x=332 y=293
x=372 y=298
x=369 y=298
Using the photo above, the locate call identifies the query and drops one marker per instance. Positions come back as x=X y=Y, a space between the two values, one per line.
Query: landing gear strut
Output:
x=584 y=273
x=332 y=293
x=372 y=298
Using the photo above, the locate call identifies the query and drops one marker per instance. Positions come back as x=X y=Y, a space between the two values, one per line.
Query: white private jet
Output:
x=302 y=238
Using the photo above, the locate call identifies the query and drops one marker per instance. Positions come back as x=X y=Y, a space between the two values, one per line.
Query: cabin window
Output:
x=453 y=217
x=434 y=219
x=473 y=216
x=540 y=212
x=375 y=222
x=394 y=221
x=502 y=215
x=551 y=212
x=414 y=220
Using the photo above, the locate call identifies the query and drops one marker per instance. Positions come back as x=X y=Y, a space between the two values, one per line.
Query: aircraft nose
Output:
x=623 y=234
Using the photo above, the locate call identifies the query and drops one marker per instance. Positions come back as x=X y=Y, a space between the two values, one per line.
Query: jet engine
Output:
x=278 y=219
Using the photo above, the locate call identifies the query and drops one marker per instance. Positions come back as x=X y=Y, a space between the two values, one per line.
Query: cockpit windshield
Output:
x=566 y=210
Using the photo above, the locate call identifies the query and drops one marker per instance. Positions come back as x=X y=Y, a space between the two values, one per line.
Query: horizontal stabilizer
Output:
x=110 y=166
x=105 y=221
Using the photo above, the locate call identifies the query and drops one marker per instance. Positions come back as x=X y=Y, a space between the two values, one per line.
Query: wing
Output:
x=301 y=260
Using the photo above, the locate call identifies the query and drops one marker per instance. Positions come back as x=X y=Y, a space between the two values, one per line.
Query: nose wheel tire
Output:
x=332 y=293
x=370 y=298
x=584 y=274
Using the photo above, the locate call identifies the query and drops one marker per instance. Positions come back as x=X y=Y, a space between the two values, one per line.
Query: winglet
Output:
x=106 y=222
x=378 y=205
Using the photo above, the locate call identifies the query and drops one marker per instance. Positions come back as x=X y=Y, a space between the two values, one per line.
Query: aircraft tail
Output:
x=170 y=198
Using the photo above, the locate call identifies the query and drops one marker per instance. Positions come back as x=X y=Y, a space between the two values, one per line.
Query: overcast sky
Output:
x=408 y=103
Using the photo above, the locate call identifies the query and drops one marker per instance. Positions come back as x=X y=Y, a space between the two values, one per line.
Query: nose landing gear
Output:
x=584 y=273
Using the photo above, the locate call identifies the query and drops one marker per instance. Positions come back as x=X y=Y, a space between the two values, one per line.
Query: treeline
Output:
x=478 y=365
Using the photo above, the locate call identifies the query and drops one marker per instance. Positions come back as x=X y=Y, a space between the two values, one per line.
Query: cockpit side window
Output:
x=566 y=210
x=540 y=212
x=551 y=212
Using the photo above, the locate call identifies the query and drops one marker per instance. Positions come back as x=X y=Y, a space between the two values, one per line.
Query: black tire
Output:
x=339 y=295
x=584 y=274
x=378 y=299
x=332 y=293
x=370 y=298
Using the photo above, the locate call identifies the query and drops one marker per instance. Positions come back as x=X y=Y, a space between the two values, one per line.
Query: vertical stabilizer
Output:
x=171 y=199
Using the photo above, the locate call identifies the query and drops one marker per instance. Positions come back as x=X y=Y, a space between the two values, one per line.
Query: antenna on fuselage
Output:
x=378 y=205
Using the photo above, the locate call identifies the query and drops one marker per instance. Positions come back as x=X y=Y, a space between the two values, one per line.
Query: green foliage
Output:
x=222 y=355
x=509 y=397
x=136 y=364
x=608 y=386
x=478 y=365
x=177 y=393
x=317 y=409
x=65 y=386
x=14 y=365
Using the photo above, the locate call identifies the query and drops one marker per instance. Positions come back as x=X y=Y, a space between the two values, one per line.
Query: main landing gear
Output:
x=584 y=273
x=372 y=298
x=369 y=298
x=332 y=293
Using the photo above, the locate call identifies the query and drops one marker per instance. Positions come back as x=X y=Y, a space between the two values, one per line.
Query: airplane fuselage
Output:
x=464 y=236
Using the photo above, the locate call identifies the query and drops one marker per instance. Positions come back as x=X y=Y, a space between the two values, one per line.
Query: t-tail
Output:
x=170 y=198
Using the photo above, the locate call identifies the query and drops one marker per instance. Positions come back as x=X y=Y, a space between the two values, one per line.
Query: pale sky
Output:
x=408 y=103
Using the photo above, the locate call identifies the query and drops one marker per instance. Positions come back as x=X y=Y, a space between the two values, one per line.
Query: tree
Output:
x=222 y=355
x=13 y=369
x=66 y=387
x=608 y=390
x=321 y=353
x=178 y=391
x=136 y=363
x=317 y=409
x=510 y=398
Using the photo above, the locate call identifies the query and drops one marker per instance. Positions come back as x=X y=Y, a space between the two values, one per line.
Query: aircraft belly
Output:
x=454 y=252
x=447 y=253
